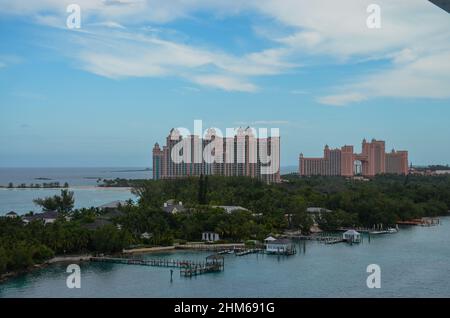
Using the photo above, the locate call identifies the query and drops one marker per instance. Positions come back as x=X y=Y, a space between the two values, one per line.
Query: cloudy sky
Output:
x=102 y=95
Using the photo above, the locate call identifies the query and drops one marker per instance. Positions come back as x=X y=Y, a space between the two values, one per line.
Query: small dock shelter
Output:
x=280 y=247
x=352 y=236
x=269 y=239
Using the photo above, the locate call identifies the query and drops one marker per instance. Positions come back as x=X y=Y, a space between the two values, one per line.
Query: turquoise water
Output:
x=414 y=263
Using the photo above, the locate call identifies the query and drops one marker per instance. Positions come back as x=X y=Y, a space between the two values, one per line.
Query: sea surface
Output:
x=414 y=263
x=82 y=181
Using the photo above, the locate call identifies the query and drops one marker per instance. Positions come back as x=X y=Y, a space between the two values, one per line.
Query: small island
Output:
x=45 y=185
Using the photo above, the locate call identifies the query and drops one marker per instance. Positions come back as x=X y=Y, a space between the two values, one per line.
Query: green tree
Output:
x=63 y=203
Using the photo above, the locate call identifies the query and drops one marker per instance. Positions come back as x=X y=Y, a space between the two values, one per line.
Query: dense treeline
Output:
x=382 y=200
x=22 y=246
x=270 y=209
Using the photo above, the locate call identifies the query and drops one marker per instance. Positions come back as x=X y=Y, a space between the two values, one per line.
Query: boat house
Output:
x=352 y=236
x=279 y=246
x=269 y=239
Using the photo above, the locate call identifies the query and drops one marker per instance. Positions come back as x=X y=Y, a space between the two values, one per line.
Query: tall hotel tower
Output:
x=371 y=161
x=241 y=155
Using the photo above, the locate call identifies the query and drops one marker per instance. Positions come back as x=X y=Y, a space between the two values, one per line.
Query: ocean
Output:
x=82 y=181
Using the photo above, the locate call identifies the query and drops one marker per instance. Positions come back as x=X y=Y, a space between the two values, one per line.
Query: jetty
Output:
x=146 y=262
x=211 y=247
x=214 y=263
x=373 y=231
x=327 y=239
x=188 y=268
x=248 y=251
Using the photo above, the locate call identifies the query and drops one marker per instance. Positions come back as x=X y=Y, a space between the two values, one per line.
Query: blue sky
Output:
x=102 y=95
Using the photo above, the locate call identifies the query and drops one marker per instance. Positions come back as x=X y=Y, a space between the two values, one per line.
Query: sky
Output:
x=104 y=93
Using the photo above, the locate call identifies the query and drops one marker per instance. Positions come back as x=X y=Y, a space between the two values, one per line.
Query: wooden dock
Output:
x=211 y=247
x=320 y=238
x=201 y=269
x=146 y=262
x=188 y=268
x=248 y=251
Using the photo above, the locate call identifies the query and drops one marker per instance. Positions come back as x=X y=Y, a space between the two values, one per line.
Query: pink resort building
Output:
x=373 y=160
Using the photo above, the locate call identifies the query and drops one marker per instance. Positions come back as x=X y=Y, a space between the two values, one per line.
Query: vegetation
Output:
x=269 y=209
x=45 y=185
x=61 y=203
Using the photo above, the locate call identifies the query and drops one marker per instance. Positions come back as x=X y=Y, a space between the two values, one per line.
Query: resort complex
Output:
x=240 y=155
x=373 y=160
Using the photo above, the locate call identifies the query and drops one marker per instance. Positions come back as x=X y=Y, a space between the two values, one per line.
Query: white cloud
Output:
x=341 y=99
x=423 y=77
x=225 y=82
x=120 y=54
x=414 y=39
x=109 y=24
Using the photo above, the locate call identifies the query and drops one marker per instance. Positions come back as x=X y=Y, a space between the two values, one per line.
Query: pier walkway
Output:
x=188 y=268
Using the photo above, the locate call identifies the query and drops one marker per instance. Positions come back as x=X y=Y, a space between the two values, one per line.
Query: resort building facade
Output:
x=372 y=160
x=239 y=155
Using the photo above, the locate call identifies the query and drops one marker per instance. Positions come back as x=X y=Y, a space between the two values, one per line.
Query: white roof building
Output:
x=352 y=236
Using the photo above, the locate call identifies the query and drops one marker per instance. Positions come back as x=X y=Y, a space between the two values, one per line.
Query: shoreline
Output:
x=57 y=259
x=144 y=250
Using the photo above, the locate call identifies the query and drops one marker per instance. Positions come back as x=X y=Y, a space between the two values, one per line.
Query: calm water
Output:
x=414 y=263
x=21 y=200
x=73 y=176
x=82 y=181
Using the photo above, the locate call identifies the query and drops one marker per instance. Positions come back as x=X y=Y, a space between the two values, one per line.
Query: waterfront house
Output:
x=210 y=236
x=352 y=236
x=46 y=217
x=171 y=207
x=280 y=246
x=12 y=215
